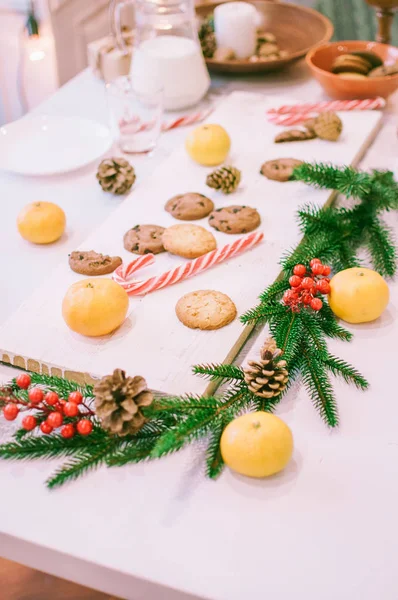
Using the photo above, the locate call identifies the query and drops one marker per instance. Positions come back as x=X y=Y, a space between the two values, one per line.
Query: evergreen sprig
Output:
x=334 y=235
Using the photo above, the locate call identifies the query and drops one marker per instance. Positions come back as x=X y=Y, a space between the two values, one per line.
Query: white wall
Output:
x=38 y=79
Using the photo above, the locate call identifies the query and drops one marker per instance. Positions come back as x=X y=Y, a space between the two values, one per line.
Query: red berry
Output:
x=55 y=419
x=68 y=431
x=289 y=296
x=51 y=398
x=326 y=270
x=75 y=397
x=46 y=427
x=84 y=427
x=23 y=381
x=317 y=269
x=71 y=409
x=315 y=261
x=295 y=281
x=316 y=304
x=10 y=411
x=29 y=422
x=306 y=299
x=35 y=395
x=323 y=286
x=300 y=270
x=307 y=283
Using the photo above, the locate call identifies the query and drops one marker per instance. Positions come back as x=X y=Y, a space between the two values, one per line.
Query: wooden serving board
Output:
x=152 y=342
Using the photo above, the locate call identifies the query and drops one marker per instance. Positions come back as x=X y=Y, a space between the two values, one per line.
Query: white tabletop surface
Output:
x=324 y=529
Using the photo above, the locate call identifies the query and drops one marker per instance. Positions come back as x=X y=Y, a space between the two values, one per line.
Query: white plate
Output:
x=45 y=145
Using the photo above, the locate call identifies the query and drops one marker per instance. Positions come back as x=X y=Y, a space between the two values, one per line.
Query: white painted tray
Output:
x=152 y=342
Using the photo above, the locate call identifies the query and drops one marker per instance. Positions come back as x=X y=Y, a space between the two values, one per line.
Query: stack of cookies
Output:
x=360 y=65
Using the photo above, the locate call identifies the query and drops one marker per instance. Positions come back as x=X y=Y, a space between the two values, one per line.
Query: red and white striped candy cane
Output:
x=329 y=105
x=189 y=269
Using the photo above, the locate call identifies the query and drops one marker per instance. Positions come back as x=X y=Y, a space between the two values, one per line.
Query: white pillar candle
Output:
x=235 y=25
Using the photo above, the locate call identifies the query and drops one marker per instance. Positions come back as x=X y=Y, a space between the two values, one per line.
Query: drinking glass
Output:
x=136 y=108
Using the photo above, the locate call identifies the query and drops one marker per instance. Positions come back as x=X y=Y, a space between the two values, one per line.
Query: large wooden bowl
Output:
x=297 y=29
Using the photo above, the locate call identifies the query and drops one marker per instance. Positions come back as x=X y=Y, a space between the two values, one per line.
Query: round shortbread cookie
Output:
x=205 y=309
x=189 y=207
x=189 y=241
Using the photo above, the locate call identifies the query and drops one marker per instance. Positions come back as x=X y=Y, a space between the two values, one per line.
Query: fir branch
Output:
x=83 y=462
x=313 y=331
x=340 y=368
x=345 y=180
x=201 y=422
x=214 y=460
x=52 y=446
x=317 y=384
x=264 y=311
x=330 y=326
x=223 y=371
x=274 y=291
x=382 y=248
x=288 y=333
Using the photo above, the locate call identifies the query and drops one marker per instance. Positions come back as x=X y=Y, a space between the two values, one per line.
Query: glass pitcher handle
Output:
x=115 y=9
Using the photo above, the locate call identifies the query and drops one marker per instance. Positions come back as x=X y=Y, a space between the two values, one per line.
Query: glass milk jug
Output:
x=167 y=51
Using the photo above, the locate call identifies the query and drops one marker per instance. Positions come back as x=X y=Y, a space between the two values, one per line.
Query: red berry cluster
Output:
x=306 y=284
x=51 y=410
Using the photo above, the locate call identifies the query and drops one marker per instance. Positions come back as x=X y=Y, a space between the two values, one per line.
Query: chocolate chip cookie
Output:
x=205 y=309
x=92 y=263
x=280 y=169
x=144 y=239
x=235 y=219
x=189 y=207
x=295 y=135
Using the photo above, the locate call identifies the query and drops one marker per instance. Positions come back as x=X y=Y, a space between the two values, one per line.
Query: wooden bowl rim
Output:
x=286 y=59
x=311 y=53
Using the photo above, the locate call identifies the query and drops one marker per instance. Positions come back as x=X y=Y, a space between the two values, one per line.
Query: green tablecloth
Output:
x=353 y=19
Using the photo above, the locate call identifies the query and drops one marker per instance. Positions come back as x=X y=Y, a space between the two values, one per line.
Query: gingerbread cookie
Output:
x=235 y=219
x=205 y=309
x=189 y=241
x=280 y=169
x=92 y=263
x=295 y=135
x=144 y=239
x=189 y=207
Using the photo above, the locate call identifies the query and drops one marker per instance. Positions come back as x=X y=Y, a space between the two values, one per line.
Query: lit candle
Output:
x=235 y=25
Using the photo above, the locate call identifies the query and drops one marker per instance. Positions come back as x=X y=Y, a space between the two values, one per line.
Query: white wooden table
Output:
x=324 y=529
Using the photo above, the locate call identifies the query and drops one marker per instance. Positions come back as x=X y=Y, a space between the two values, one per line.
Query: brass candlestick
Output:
x=385 y=10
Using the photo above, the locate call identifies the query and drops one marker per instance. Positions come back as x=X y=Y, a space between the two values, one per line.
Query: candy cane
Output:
x=134 y=124
x=329 y=105
x=189 y=269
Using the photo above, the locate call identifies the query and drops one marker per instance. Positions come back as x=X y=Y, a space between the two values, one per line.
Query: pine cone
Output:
x=118 y=400
x=268 y=376
x=328 y=126
x=115 y=175
x=209 y=45
x=225 y=179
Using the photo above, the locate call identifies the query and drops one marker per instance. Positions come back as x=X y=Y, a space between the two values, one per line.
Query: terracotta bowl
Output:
x=297 y=30
x=320 y=62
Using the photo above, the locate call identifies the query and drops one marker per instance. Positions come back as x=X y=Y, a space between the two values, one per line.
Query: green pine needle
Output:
x=213 y=372
x=318 y=386
x=214 y=460
x=340 y=368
